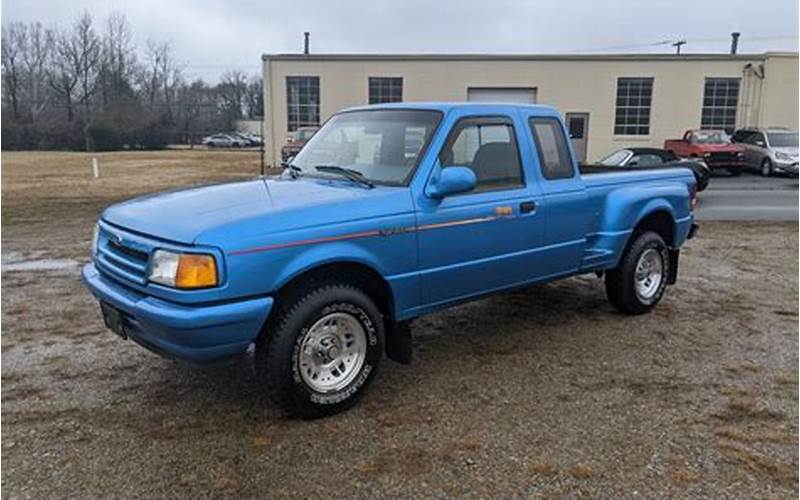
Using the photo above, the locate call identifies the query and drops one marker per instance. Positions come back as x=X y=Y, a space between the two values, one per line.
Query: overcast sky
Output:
x=211 y=35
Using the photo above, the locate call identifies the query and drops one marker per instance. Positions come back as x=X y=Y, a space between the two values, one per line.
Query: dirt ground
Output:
x=547 y=392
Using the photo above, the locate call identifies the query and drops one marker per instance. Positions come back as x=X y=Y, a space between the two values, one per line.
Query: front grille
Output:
x=723 y=157
x=122 y=257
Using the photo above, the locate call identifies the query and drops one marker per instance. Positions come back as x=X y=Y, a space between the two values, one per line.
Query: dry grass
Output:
x=53 y=194
x=581 y=471
x=543 y=468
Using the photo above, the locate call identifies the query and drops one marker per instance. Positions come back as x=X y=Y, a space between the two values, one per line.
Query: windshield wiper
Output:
x=348 y=173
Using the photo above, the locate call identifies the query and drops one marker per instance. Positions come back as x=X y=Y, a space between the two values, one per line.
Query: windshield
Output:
x=383 y=145
x=616 y=158
x=710 y=137
x=782 y=139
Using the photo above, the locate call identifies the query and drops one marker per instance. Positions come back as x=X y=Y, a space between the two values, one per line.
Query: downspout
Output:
x=751 y=94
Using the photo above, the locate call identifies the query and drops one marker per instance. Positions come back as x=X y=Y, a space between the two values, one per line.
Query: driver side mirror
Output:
x=761 y=144
x=288 y=161
x=451 y=180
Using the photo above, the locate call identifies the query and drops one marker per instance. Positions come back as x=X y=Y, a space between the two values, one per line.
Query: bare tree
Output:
x=254 y=98
x=160 y=77
x=118 y=63
x=14 y=44
x=232 y=90
x=92 y=88
x=61 y=72
x=36 y=60
x=88 y=47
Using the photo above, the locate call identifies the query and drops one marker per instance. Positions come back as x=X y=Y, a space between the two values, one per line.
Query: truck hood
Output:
x=219 y=213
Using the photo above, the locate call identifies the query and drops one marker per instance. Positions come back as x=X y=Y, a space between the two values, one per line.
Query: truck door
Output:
x=487 y=238
x=565 y=200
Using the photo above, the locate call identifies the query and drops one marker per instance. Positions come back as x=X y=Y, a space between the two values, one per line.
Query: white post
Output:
x=95 y=168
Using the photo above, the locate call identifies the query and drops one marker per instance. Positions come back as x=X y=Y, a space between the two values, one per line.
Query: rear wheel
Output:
x=766 y=167
x=637 y=284
x=322 y=352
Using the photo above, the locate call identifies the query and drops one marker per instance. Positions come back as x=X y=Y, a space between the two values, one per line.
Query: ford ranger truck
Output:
x=712 y=146
x=390 y=212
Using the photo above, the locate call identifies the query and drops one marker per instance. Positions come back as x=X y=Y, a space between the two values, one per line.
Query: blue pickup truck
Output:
x=388 y=213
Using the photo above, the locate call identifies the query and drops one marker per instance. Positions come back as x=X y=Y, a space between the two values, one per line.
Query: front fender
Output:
x=316 y=256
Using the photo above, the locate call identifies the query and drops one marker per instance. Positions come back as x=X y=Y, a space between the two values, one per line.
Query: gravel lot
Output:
x=544 y=392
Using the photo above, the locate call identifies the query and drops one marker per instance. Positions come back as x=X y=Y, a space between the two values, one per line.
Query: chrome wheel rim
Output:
x=649 y=273
x=332 y=352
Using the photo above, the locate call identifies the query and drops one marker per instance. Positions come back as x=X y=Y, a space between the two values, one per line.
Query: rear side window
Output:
x=551 y=146
x=645 y=160
x=487 y=146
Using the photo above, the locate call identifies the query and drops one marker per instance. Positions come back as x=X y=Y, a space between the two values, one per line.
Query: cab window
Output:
x=551 y=146
x=489 y=147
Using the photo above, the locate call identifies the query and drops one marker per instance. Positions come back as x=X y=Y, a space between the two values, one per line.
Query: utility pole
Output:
x=677 y=46
x=261 y=149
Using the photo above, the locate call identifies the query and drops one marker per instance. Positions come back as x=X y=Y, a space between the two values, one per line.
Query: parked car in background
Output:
x=712 y=146
x=224 y=141
x=654 y=157
x=296 y=141
x=255 y=139
x=244 y=138
x=323 y=267
x=770 y=150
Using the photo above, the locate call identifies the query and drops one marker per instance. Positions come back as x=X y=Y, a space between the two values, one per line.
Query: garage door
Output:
x=519 y=95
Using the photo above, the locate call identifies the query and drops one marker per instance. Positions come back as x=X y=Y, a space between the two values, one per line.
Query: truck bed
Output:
x=599 y=168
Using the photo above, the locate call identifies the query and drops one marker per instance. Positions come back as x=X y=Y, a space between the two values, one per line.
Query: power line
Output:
x=685 y=40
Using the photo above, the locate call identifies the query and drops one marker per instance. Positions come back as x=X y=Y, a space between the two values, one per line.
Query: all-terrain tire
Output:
x=621 y=281
x=279 y=350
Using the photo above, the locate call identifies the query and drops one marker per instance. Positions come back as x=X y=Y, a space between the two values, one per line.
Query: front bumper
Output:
x=199 y=334
x=786 y=167
x=724 y=164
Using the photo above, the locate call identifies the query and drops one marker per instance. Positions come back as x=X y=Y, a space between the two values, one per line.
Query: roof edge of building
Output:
x=523 y=57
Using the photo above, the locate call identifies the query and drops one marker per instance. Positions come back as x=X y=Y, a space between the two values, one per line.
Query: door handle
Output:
x=527 y=207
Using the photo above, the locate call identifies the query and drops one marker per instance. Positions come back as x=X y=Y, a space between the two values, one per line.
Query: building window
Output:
x=720 y=99
x=383 y=89
x=302 y=99
x=634 y=96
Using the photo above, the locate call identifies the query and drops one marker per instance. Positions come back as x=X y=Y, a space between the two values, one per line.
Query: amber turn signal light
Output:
x=196 y=271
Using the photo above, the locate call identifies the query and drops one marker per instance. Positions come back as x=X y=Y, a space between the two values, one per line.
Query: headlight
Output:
x=706 y=155
x=740 y=155
x=95 y=237
x=183 y=270
x=783 y=156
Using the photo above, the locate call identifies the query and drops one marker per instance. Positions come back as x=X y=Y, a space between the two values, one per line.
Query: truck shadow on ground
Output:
x=510 y=324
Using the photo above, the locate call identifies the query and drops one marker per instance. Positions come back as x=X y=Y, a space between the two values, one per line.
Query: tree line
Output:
x=89 y=87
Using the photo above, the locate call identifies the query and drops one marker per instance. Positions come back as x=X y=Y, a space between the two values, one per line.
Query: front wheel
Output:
x=637 y=284
x=323 y=352
x=766 y=167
